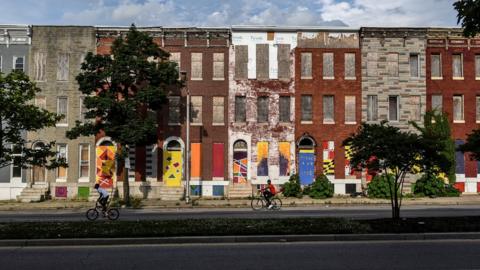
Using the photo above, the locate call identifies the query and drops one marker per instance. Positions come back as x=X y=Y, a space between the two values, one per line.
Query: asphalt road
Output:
x=370 y=255
x=357 y=212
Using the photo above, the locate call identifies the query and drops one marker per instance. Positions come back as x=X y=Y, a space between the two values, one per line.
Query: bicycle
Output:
x=111 y=213
x=259 y=202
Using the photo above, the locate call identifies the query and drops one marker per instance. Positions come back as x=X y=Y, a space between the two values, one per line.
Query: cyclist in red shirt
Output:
x=269 y=192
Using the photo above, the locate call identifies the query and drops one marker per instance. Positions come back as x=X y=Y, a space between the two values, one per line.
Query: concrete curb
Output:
x=237 y=239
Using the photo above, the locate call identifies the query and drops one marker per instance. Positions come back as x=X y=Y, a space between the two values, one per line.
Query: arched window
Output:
x=240 y=145
x=306 y=143
x=174 y=146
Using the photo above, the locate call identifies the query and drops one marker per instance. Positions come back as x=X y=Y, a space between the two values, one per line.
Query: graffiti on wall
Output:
x=306 y=164
x=105 y=166
x=262 y=159
x=328 y=157
x=240 y=163
x=284 y=158
x=349 y=171
x=172 y=170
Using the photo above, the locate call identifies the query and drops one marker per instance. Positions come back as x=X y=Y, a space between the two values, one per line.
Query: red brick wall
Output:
x=318 y=87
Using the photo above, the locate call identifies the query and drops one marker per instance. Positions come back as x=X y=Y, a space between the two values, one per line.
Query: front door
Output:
x=172 y=170
x=240 y=163
x=306 y=166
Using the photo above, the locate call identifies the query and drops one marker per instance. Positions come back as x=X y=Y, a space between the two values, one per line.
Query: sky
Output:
x=353 y=13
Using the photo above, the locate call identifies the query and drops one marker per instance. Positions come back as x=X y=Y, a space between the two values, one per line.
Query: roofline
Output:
x=157 y=28
x=293 y=28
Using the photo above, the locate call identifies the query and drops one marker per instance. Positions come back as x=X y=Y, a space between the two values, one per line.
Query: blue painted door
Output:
x=306 y=167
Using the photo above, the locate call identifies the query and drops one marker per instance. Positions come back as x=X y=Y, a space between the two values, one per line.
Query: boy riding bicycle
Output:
x=103 y=199
x=268 y=192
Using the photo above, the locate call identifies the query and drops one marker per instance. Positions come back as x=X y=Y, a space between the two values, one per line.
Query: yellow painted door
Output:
x=172 y=168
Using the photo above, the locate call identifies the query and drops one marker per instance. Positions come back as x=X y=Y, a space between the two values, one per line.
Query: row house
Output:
x=453 y=86
x=327 y=105
x=15 y=43
x=159 y=170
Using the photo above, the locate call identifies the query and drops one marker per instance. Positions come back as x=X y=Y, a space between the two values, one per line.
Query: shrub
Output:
x=322 y=188
x=292 y=188
x=379 y=188
x=434 y=186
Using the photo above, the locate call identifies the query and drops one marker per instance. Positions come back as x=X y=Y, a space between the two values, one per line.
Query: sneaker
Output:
x=270 y=206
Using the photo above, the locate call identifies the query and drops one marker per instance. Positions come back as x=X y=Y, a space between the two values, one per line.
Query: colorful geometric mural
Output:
x=284 y=158
x=349 y=171
x=262 y=159
x=240 y=163
x=328 y=157
x=105 y=168
x=306 y=166
x=172 y=167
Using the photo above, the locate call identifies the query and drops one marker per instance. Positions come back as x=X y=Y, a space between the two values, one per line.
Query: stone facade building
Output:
x=327 y=105
x=15 y=43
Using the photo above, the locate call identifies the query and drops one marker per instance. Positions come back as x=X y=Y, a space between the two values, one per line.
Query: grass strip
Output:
x=222 y=227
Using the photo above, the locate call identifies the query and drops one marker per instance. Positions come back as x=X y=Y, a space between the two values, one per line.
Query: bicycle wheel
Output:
x=257 y=204
x=113 y=214
x=92 y=214
x=277 y=203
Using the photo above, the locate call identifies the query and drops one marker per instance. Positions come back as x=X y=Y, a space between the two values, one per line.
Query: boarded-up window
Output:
x=240 y=110
x=284 y=109
x=40 y=64
x=477 y=66
x=218 y=66
x=328 y=65
x=306 y=63
x=328 y=109
x=262 y=61
x=392 y=64
x=176 y=58
x=393 y=108
x=414 y=65
x=436 y=64
x=195 y=160
x=62 y=154
x=437 y=103
x=262 y=159
x=372 y=59
x=196 y=109
x=262 y=109
x=19 y=63
x=218 y=110
x=41 y=102
x=62 y=105
x=415 y=108
x=219 y=158
x=62 y=67
x=196 y=66
x=457 y=65
x=84 y=162
x=284 y=158
x=283 y=61
x=477 y=118
x=372 y=108
x=350 y=109
x=349 y=66
x=306 y=108
x=458 y=108
x=241 y=62
x=174 y=110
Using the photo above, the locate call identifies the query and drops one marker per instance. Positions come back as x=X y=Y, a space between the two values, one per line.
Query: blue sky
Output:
x=353 y=13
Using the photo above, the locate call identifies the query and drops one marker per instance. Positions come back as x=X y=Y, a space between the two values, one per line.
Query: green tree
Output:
x=438 y=145
x=18 y=115
x=124 y=92
x=469 y=16
x=395 y=152
x=472 y=145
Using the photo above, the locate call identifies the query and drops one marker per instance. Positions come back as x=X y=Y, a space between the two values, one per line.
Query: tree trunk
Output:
x=126 y=186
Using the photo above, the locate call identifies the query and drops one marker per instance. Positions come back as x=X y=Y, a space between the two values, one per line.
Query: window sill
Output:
x=218 y=124
x=196 y=124
x=329 y=78
x=350 y=78
x=477 y=78
x=61 y=180
x=328 y=123
x=83 y=180
x=437 y=78
x=285 y=123
x=457 y=78
x=350 y=123
x=306 y=122
x=218 y=178
x=174 y=124
x=306 y=78
x=478 y=122
x=196 y=79
x=61 y=125
x=459 y=121
x=218 y=79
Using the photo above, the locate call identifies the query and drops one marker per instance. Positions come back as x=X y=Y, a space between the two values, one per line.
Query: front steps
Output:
x=33 y=194
x=237 y=191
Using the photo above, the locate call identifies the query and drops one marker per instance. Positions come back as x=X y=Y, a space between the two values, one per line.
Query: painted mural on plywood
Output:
x=262 y=159
x=328 y=157
x=284 y=158
x=240 y=163
x=105 y=166
x=172 y=170
x=349 y=171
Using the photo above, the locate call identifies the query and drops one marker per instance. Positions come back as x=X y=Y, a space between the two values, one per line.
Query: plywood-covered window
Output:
x=458 y=108
x=306 y=65
x=372 y=59
x=436 y=65
x=62 y=67
x=349 y=66
x=457 y=66
x=414 y=65
x=437 y=103
x=306 y=107
x=218 y=66
x=350 y=109
x=241 y=62
x=415 y=108
x=196 y=110
x=284 y=109
x=283 y=51
x=174 y=110
x=262 y=61
x=62 y=109
x=393 y=108
x=195 y=160
x=218 y=110
x=40 y=65
x=240 y=109
x=62 y=154
x=328 y=66
x=392 y=64
x=196 y=66
x=372 y=108
x=262 y=109
x=219 y=158
x=328 y=109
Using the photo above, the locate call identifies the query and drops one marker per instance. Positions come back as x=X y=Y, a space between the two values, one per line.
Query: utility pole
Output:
x=187 y=147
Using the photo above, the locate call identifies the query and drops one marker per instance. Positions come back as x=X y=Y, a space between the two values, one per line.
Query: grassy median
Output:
x=205 y=227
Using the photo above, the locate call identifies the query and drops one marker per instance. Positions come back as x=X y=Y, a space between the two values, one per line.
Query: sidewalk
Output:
x=243 y=203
